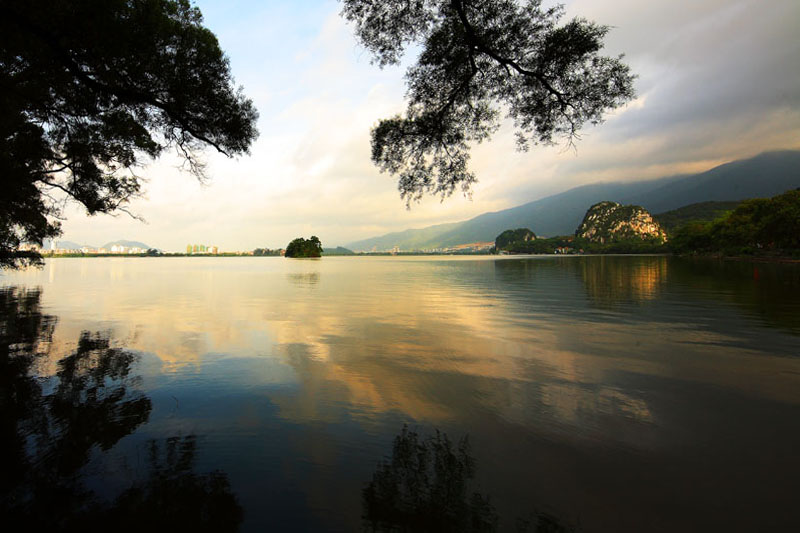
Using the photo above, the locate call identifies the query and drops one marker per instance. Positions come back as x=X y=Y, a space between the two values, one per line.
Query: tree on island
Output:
x=511 y=236
x=477 y=58
x=94 y=89
x=301 y=247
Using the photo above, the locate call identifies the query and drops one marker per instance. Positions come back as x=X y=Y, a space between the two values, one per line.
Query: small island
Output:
x=301 y=247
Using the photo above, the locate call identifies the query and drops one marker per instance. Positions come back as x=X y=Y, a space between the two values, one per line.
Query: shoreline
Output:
x=737 y=258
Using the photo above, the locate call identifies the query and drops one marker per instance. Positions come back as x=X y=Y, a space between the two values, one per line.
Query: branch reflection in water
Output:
x=52 y=425
x=426 y=485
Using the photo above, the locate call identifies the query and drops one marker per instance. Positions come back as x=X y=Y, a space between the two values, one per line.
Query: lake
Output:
x=637 y=393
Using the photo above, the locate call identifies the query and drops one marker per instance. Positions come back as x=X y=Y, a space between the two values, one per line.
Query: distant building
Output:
x=201 y=249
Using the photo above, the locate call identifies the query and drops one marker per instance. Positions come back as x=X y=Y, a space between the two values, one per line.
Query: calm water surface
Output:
x=597 y=393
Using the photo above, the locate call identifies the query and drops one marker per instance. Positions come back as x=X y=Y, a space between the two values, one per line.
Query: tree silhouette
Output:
x=425 y=487
x=93 y=89
x=174 y=497
x=24 y=338
x=478 y=58
x=92 y=404
x=48 y=435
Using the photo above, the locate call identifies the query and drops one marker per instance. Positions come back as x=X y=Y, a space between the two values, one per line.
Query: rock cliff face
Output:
x=608 y=222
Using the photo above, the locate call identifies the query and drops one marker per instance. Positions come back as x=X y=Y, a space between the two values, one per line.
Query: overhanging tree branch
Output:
x=477 y=43
x=91 y=88
x=549 y=78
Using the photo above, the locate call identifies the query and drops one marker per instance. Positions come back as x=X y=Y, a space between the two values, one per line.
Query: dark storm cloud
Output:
x=716 y=78
x=701 y=61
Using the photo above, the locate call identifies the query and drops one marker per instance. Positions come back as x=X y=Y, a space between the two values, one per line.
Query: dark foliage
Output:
x=301 y=247
x=425 y=487
x=93 y=89
x=570 y=244
x=477 y=58
x=266 y=252
x=757 y=226
x=543 y=522
x=693 y=237
x=50 y=432
x=174 y=497
x=626 y=246
x=339 y=250
x=509 y=236
x=533 y=246
x=699 y=212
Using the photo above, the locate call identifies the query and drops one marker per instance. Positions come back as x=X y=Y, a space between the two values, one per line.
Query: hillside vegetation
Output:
x=607 y=227
x=760 y=226
x=701 y=211
x=513 y=236
x=339 y=250
x=762 y=176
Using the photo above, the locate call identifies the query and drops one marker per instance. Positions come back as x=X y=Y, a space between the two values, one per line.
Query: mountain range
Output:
x=69 y=245
x=764 y=175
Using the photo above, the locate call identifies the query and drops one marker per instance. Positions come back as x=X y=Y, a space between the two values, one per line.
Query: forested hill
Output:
x=763 y=176
x=703 y=211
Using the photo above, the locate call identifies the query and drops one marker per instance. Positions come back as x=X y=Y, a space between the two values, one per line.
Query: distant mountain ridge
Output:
x=69 y=245
x=66 y=245
x=764 y=175
x=127 y=244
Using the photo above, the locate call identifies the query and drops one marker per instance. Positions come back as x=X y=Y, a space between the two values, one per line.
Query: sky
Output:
x=718 y=80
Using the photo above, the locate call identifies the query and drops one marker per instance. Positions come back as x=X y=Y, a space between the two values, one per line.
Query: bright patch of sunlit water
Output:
x=614 y=393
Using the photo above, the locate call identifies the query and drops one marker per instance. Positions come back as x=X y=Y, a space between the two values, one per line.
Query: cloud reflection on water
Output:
x=294 y=371
x=417 y=336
